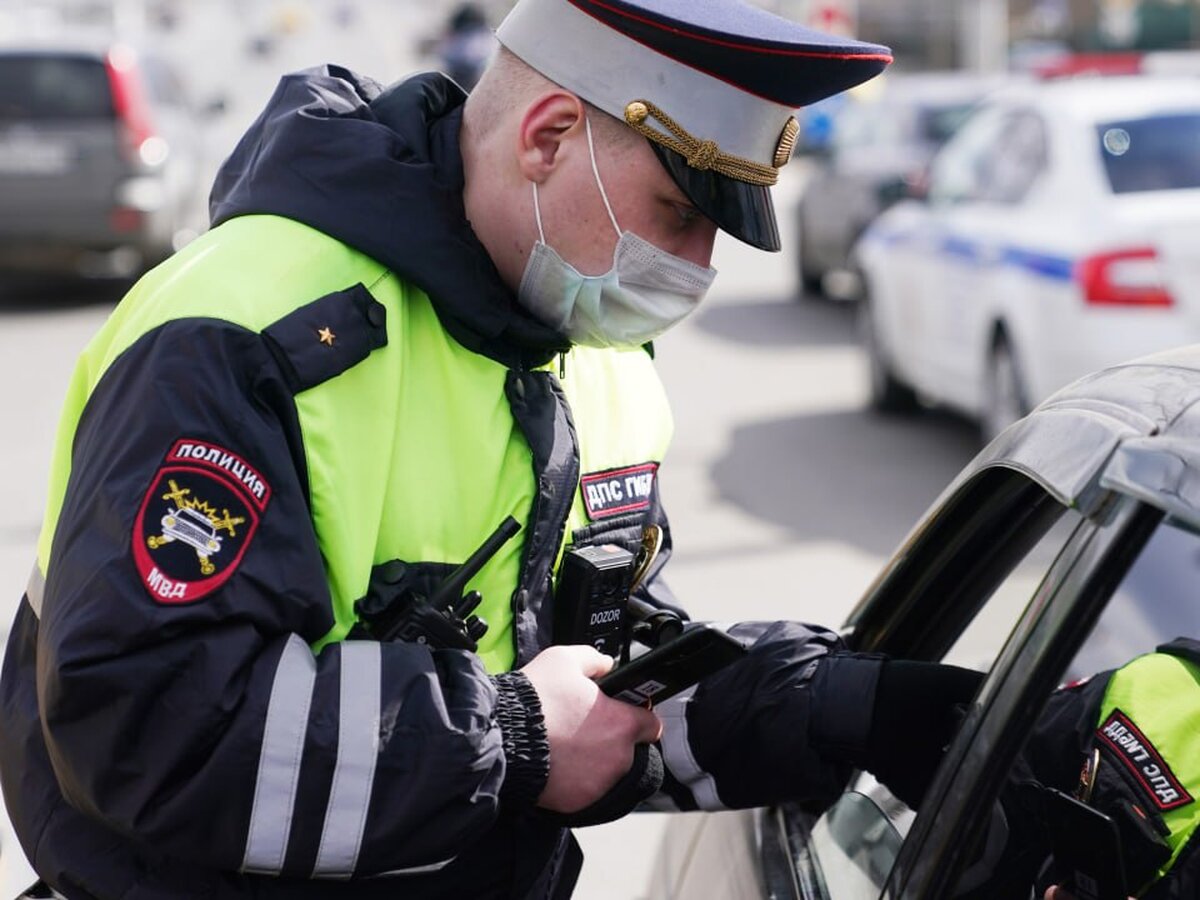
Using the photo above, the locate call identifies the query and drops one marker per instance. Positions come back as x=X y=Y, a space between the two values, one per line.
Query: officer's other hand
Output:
x=914 y=709
x=918 y=708
x=591 y=736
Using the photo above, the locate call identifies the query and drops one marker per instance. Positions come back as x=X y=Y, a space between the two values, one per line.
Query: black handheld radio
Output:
x=442 y=620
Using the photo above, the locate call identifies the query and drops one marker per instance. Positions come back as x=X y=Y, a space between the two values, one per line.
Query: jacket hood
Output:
x=380 y=170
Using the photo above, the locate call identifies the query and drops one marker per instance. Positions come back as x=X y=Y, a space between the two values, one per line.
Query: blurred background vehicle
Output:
x=881 y=139
x=100 y=165
x=1059 y=232
x=1059 y=552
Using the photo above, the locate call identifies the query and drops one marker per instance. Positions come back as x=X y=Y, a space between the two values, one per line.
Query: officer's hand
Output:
x=591 y=736
x=918 y=708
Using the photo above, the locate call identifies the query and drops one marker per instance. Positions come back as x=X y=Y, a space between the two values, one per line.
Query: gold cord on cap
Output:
x=701 y=155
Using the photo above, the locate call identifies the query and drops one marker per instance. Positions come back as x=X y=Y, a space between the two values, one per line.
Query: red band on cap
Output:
x=775 y=51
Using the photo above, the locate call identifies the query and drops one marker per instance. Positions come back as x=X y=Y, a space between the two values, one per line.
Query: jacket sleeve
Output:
x=791 y=719
x=182 y=704
x=741 y=738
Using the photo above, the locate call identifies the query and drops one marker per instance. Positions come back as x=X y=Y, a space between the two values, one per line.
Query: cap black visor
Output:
x=743 y=210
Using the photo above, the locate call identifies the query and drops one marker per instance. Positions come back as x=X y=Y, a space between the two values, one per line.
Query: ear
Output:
x=546 y=124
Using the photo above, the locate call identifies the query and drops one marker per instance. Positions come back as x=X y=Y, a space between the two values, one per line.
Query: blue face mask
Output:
x=646 y=291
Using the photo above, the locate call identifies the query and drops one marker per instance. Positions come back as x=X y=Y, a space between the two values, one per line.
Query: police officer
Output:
x=413 y=317
x=1127 y=742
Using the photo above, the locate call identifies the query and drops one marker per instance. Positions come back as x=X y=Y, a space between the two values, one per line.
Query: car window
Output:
x=1156 y=602
x=959 y=171
x=1151 y=154
x=853 y=846
x=996 y=158
x=980 y=643
x=1015 y=160
x=937 y=124
x=53 y=87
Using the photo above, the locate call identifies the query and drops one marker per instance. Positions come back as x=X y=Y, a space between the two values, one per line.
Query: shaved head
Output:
x=509 y=85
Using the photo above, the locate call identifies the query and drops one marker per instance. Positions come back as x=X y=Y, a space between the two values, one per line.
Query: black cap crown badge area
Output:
x=196 y=520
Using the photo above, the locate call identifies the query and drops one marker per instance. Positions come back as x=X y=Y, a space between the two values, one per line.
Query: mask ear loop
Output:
x=596 y=171
x=537 y=214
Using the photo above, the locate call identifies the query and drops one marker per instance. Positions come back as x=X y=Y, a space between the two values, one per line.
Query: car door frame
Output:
x=1058 y=619
x=929 y=593
x=926 y=599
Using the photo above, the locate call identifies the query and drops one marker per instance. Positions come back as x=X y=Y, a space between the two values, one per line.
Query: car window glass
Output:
x=1151 y=154
x=1156 y=603
x=54 y=87
x=959 y=171
x=936 y=124
x=854 y=846
x=979 y=645
x=1017 y=156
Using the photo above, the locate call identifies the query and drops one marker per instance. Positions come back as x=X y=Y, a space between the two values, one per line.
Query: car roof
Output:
x=1132 y=428
x=1108 y=98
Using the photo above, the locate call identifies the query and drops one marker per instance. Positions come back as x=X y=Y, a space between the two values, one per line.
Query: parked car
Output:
x=100 y=169
x=1059 y=233
x=1070 y=545
x=881 y=142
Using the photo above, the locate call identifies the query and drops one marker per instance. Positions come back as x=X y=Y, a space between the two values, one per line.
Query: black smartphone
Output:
x=672 y=667
x=1086 y=847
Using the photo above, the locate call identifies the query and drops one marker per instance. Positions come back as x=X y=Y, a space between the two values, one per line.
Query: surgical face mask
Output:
x=646 y=291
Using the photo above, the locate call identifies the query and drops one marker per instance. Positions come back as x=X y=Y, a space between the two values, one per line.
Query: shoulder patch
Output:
x=196 y=520
x=617 y=491
x=1125 y=740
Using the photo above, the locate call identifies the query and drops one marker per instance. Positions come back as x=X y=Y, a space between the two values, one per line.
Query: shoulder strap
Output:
x=1183 y=648
x=324 y=338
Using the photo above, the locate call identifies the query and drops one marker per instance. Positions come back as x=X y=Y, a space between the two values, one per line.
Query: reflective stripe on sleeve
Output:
x=358 y=748
x=677 y=752
x=35 y=589
x=279 y=763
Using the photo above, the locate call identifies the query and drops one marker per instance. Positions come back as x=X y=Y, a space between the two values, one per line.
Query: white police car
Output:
x=1058 y=232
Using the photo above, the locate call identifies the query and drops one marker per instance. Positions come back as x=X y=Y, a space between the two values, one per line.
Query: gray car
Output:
x=1070 y=545
x=882 y=141
x=100 y=169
